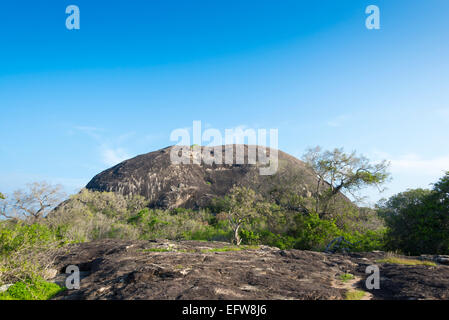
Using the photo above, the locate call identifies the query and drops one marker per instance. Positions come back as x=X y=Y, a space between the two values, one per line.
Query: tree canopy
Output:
x=338 y=171
x=418 y=219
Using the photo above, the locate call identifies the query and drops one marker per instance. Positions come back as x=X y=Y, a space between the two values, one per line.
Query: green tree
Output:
x=418 y=220
x=240 y=206
x=337 y=171
x=441 y=194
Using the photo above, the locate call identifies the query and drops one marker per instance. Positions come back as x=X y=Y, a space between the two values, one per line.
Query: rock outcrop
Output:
x=167 y=185
x=193 y=270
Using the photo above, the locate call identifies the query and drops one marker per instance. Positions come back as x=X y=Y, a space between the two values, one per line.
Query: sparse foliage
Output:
x=95 y=215
x=337 y=171
x=34 y=203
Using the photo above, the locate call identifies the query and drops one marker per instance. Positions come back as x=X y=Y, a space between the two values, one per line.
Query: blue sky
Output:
x=75 y=102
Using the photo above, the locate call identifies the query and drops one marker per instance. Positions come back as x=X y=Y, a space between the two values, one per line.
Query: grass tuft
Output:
x=354 y=294
x=346 y=277
x=408 y=262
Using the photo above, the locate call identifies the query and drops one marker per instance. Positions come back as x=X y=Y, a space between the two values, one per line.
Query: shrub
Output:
x=20 y=235
x=176 y=225
x=93 y=215
x=314 y=233
x=35 y=289
x=25 y=251
x=250 y=237
x=209 y=233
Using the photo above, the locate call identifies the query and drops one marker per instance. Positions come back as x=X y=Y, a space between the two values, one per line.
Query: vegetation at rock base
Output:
x=34 y=289
x=25 y=258
x=226 y=249
x=408 y=262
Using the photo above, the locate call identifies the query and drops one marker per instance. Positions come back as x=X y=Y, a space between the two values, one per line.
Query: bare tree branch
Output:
x=33 y=204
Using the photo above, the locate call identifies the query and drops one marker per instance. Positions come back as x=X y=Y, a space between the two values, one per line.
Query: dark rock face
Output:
x=169 y=185
x=167 y=270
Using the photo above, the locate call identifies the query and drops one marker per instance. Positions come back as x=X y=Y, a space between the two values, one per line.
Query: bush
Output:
x=277 y=240
x=250 y=237
x=176 y=225
x=35 y=289
x=314 y=233
x=288 y=230
x=92 y=215
x=209 y=233
x=24 y=251
x=19 y=235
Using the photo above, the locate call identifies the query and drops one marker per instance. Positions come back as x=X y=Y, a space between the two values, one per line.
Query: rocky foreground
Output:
x=194 y=270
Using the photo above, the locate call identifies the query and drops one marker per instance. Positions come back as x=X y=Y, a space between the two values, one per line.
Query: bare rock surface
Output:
x=195 y=270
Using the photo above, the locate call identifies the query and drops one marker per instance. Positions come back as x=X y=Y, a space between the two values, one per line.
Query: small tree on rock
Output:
x=241 y=205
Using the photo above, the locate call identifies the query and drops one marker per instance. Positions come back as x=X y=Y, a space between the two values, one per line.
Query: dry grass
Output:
x=233 y=248
x=392 y=259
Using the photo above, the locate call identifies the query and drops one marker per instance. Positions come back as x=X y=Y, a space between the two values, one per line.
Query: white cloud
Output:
x=410 y=171
x=414 y=164
x=110 y=152
x=113 y=156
